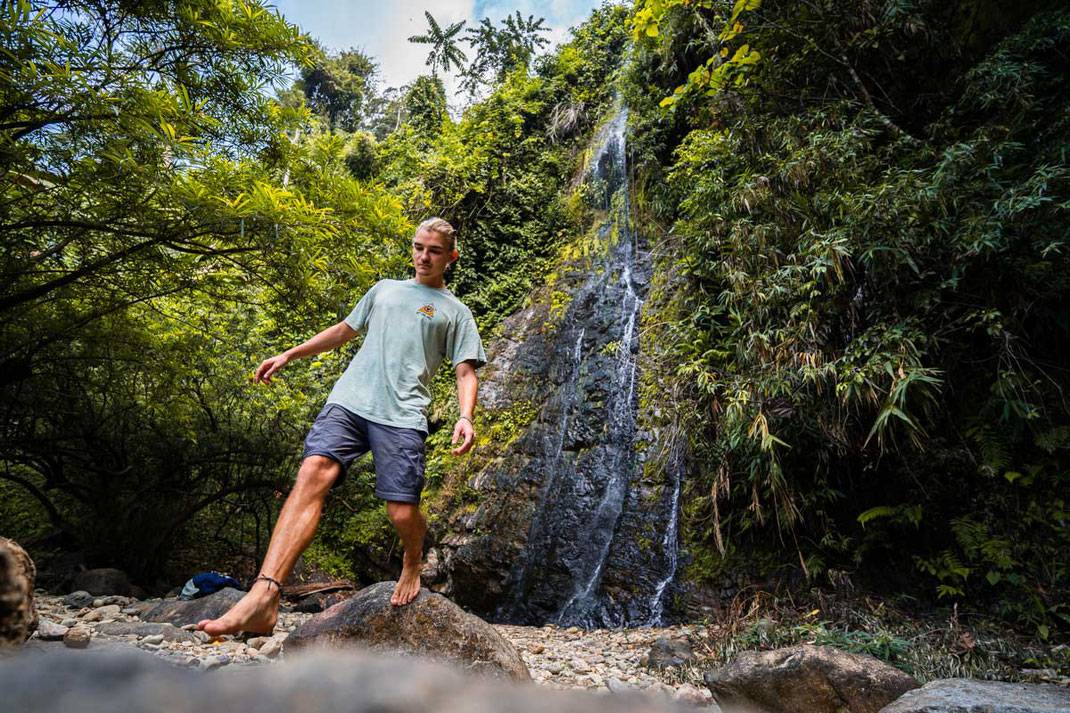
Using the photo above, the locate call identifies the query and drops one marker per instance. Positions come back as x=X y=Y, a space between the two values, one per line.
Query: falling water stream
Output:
x=589 y=477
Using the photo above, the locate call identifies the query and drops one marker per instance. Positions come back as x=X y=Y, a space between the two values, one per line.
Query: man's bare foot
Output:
x=408 y=585
x=256 y=613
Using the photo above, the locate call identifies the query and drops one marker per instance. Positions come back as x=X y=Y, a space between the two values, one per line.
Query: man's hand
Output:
x=269 y=367
x=463 y=430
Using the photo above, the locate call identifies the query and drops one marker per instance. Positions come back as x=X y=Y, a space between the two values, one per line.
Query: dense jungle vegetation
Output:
x=865 y=206
x=858 y=210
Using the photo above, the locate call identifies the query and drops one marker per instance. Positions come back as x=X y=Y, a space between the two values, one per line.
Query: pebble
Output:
x=692 y=694
x=271 y=648
x=77 y=637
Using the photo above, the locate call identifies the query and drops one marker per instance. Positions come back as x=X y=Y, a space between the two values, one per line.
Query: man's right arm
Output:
x=329 y=338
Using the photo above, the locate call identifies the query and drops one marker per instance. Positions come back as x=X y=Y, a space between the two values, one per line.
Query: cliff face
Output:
x=572 y=519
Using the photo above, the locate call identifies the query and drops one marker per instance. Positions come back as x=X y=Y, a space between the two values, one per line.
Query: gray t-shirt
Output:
x=410 y=328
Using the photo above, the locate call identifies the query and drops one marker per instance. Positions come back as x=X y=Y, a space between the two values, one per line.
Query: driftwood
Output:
x=300 y=591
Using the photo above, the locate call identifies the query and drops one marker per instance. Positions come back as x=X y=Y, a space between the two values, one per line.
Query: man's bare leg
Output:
x=258 y=610
x=411 y=527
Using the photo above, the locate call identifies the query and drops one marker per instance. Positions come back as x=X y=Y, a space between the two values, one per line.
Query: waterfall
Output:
x=588 y=503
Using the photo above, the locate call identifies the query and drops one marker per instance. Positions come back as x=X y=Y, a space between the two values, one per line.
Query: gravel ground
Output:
x=601 y=659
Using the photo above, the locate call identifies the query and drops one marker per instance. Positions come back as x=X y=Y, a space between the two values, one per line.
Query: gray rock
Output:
x=430 y=626
x=181 y=613
x=48 y=630
x=18 y=617
x=326 y=683
x=815 y=679
x=963 y=695
x=668 y=653
x=167 y=632
x=108 y=610
x=271 y=648
x=103 y=581
x=77 y=637
x=78 y=599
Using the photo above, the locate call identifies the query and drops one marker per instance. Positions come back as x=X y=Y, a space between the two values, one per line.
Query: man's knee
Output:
x=403 y=515
x=317 y=474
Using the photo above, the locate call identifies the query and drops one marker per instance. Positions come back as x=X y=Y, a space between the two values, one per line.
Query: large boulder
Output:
x=18 y=617
x=103 y=581
x=181 y=613
x=964 y=695
x=808 y=679
x=70 y=682
x=430 y=626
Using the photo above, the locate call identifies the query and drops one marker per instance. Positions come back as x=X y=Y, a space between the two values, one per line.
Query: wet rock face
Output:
x=321 y=683
x=18 y=617
x=816 y=679
x=430 y=626
x=568 y=530
x=959 y=695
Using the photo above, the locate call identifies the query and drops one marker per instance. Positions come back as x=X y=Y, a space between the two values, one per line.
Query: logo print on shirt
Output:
x=428 y=310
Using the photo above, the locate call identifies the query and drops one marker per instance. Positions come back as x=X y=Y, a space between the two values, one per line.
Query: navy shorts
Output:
x=398 y=453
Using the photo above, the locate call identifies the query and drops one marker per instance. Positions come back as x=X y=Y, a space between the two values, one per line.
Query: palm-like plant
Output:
x=524 y=34
x=445 y=51
x=501 y=50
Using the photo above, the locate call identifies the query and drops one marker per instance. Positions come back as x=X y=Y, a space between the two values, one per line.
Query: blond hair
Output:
x=443 y=228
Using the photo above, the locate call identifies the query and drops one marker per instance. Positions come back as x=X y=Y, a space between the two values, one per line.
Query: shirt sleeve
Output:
x=464 y=344
x=358 y=318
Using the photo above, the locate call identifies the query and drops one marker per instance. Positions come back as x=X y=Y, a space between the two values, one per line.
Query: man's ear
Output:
x=454 y=255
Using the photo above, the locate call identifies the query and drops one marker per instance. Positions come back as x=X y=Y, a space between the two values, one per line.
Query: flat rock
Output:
x=321 y=683
x=48 y=630
x=815 y=679
x=103 y=581
x=964 y=695
x=18 y=616
x=181 y=613
x=430 y=626
x=78 y=599
x=141 y=628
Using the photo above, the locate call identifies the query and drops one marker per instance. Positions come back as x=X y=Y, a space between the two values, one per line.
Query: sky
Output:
x=381 y=28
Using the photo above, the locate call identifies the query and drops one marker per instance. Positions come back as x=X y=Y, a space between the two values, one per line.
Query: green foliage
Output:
x=425 y=106
x=336 y=87
x=161 y=232
x=501 y=50
x=874 y=288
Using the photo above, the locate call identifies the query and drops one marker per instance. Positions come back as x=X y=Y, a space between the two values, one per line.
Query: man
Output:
x=379 y=404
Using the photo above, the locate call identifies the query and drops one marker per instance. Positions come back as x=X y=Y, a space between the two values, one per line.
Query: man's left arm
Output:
x=467 y=386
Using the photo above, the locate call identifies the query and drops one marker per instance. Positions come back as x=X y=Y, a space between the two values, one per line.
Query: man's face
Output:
x=431 y=254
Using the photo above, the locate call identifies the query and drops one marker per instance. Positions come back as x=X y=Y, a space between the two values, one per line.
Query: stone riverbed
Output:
x=610 y=660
